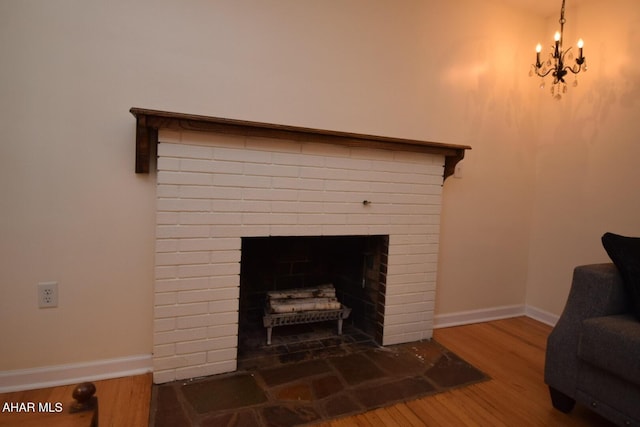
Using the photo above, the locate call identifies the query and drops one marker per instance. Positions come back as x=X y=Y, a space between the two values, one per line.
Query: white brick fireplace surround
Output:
x=217 y=184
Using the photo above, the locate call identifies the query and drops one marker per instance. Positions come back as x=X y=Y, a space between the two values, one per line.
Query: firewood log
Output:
x=326 y=291
x=307 y=304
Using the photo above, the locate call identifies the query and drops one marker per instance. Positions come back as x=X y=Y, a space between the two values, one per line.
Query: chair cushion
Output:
x=612 y=343
x=625 y=254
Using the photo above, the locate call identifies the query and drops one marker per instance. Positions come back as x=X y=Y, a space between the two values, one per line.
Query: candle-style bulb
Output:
x=580 y=59
x=556 y=37
x=538 y=50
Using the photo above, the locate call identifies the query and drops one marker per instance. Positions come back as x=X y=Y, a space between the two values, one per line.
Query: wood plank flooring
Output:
x=511 y=351
x=121 y=402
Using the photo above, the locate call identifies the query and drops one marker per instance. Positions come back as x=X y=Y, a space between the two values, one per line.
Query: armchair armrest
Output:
x=596 y=290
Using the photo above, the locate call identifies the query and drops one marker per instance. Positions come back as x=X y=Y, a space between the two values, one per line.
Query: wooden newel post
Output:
x=85 y=400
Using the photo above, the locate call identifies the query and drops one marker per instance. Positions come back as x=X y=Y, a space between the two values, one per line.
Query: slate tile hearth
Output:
x=348 y=378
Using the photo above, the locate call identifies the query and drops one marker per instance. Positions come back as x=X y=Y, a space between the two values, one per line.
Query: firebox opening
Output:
x=355 y=265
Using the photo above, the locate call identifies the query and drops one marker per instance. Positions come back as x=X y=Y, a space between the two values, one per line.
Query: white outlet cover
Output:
x=47 y=294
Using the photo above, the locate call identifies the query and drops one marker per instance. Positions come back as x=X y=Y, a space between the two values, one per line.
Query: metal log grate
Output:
x=270 y=320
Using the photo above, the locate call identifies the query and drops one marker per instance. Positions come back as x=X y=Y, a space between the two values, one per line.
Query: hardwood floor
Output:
x=511 y=351
x=121 y=402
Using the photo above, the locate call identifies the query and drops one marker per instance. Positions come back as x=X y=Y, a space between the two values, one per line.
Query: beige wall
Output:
x=518 y=241
x=72 y=210
x=587 y=172
x=486 y=213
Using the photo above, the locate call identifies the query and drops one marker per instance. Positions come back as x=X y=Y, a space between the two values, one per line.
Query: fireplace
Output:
x=227 y=188
x=355 y=266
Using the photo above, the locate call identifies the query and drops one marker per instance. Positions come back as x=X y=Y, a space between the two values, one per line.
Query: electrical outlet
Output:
x=47 y=294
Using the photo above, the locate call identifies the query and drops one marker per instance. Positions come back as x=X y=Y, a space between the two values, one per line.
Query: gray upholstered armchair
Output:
x=593 y=353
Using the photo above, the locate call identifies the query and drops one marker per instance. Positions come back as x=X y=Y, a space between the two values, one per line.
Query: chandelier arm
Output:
x=574 y=71
x=545 y=74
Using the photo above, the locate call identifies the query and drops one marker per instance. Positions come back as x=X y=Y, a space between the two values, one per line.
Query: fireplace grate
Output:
x=298 y=306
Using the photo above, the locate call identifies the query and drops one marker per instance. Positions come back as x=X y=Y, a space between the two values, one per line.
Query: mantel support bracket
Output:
x=450 y=163
x=146 y=140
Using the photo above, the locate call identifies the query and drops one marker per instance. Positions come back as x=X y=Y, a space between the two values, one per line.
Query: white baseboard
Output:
x=477 y=316
x=542 y=315
x=51 y=376
x=494 y=313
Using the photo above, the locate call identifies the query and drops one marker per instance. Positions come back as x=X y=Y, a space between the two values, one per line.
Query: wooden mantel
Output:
x=148 y=122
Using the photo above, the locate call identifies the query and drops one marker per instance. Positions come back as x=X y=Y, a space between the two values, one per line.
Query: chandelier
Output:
x=556 y=64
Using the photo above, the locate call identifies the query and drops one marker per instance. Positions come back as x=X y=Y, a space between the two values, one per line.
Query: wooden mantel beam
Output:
x=148 y=122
